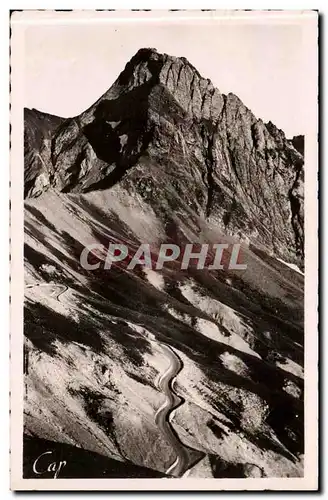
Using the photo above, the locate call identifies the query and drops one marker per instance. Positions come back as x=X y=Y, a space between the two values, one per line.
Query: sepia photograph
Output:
x=164 y=250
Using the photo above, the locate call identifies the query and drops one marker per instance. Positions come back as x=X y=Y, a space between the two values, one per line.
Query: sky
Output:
x=69 y=66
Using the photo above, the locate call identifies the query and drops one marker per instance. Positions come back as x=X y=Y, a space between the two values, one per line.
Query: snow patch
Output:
x=292 y=389
x=49 y=269
x=235 y=364
x=290 y=366
x=155 y=279
x=291 y=266
x=123 y=139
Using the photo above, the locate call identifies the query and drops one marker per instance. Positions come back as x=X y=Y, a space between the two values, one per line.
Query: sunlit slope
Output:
x=94 y=341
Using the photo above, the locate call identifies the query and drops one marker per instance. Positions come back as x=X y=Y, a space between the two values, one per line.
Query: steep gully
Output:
x=172 y=402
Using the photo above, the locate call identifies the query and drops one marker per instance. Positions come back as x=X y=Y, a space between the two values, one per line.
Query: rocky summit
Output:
x=164 y=156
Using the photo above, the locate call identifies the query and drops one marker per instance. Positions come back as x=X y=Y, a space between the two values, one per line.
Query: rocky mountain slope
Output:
x=163 y=156
x=38 y=131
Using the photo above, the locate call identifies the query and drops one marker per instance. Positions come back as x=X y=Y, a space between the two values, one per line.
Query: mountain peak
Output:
x=150 y=53
x=231 y=167
x=145 y=52
x=196 y=95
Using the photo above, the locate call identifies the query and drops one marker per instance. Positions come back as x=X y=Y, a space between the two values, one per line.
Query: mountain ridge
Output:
x=159 y=107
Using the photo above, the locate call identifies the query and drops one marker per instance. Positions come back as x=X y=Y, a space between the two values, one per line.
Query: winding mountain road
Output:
x=63 y=287
x=164 y=384
x=171 y=403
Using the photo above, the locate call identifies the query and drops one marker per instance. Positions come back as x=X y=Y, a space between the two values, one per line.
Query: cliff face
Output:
x=234 y=170
x=39 y=129
x=163 y=156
